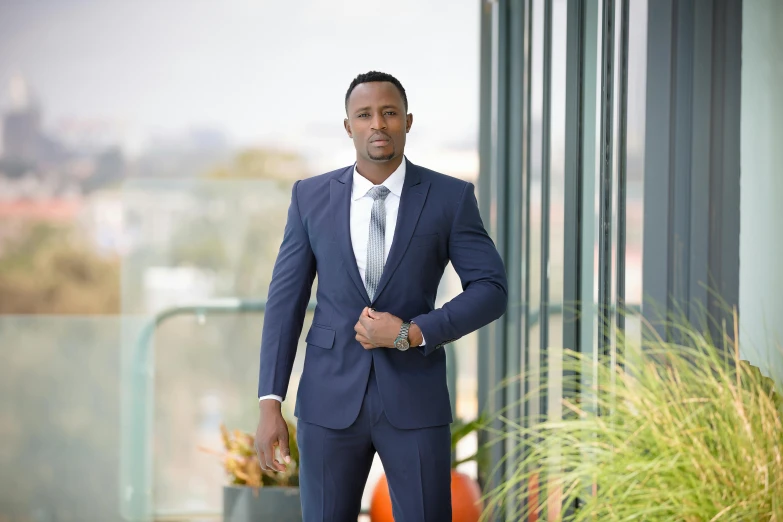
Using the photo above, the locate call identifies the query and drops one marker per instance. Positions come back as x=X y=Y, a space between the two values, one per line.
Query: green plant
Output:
x=461 y=429
x=674 y=431
x=240 y=460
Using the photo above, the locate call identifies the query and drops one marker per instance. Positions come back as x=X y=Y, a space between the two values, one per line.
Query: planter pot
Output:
x=267 y=504
x=466 y=504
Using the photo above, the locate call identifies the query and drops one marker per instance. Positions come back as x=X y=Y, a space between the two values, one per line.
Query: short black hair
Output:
x=376 y=76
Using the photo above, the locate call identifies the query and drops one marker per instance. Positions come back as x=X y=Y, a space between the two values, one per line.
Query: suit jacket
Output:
x=438 y=222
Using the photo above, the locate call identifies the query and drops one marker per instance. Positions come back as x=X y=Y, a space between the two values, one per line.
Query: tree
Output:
x=263 y=163
x=51 y=270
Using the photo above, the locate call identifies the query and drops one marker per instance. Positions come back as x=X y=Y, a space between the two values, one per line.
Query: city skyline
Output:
x=147 y=70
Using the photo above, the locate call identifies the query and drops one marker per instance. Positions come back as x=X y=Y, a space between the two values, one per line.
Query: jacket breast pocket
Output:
x=320 y=336
x=425 y=240
x=425 y=248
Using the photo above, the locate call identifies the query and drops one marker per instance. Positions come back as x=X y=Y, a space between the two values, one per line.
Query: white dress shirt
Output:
x=361 y=209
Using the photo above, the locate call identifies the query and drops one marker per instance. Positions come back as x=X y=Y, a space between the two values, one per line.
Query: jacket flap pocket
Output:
x=320 y=336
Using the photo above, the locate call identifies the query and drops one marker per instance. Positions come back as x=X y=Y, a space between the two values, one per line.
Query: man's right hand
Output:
x=272 y=432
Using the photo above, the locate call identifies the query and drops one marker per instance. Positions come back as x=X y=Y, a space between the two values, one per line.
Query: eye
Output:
x=391 y=113
x=362 y=115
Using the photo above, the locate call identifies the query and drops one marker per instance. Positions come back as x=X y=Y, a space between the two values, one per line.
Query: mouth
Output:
x=379 y=140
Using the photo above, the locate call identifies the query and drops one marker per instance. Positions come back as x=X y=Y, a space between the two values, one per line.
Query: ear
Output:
x=408 y=122
x=347 y=127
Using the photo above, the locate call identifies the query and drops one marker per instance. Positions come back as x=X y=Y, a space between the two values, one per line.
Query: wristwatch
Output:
x=401 y=342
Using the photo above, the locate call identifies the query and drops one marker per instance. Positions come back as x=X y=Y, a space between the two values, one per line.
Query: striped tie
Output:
x=376 y=243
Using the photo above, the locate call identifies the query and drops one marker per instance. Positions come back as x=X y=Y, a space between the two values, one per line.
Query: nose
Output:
x=378 y=122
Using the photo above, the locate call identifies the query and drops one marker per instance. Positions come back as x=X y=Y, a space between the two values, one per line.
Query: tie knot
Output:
x=379 y=192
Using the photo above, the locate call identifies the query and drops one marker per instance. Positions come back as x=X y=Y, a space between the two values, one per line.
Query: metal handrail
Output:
x=136 y=469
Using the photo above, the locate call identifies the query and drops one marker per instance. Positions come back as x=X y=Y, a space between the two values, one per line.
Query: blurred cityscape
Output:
x=64 y=185
x=186 y=219
x=147 y=154
x=94 y=241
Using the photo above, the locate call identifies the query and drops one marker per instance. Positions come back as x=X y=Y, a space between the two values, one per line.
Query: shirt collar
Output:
x=362 y=185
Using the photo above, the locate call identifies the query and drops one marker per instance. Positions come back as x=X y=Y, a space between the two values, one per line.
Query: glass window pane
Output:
x=536 y=218
x=634 y=192
x=556 y=228
x=590 y=170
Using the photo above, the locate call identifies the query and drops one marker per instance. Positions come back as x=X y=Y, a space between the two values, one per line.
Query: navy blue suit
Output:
x=352 y=402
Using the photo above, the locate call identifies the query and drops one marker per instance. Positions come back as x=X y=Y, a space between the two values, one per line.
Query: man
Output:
x=379 y=235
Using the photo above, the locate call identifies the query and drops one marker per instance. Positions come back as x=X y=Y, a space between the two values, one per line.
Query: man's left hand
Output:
x=377 y=329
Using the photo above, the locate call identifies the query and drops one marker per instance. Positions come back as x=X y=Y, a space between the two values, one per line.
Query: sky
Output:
x=262 y=72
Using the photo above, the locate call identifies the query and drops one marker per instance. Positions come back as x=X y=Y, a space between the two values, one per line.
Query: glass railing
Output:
x=109 y=418
x=186 y=373
x=60 y=411
x=191 y=241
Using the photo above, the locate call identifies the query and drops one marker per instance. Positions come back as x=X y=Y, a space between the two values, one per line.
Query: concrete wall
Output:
x=761 y=183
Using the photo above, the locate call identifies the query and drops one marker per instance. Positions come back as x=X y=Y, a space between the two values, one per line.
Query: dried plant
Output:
x=240 y=461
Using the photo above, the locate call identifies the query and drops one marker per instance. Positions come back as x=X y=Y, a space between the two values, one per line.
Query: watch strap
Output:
x=403 y=335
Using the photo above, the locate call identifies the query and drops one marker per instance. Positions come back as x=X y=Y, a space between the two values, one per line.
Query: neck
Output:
x=378 y=171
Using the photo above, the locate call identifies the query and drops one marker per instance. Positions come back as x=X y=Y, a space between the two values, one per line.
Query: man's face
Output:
x=377 y=122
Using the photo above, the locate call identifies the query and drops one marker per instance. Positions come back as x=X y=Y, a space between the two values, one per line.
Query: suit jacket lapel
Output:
x=414 y=193
x=340 y=206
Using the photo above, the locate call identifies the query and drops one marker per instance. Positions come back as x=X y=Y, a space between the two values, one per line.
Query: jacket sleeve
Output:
x=483 y=276
x=288 y=296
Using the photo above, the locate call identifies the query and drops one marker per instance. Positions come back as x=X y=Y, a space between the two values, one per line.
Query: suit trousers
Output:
x=334 y=465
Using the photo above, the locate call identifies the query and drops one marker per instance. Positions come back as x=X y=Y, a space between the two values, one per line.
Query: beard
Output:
x=383 y=156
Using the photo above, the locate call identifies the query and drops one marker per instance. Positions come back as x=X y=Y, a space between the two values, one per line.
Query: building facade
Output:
x=630 y=160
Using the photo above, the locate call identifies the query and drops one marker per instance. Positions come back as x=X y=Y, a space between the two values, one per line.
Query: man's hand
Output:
x=272 y=432
x=380 y=330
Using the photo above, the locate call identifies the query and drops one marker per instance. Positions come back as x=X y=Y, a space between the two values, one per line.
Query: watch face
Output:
x=403 y=344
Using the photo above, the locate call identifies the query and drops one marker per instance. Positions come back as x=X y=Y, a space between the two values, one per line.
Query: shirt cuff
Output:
x=423 y=341
x=275 y=397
